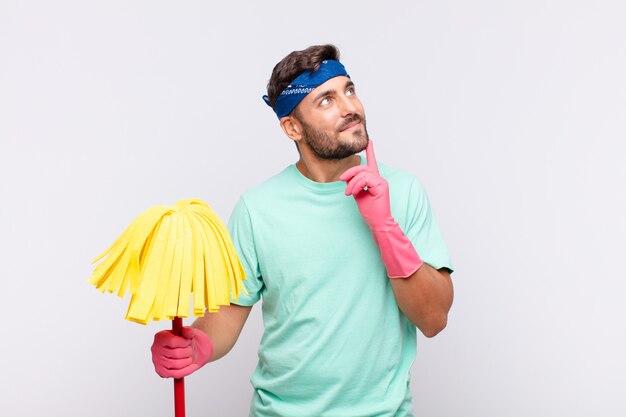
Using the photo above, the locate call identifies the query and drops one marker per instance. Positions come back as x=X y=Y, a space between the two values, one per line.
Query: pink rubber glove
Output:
x=178 y=356
x=371 y=193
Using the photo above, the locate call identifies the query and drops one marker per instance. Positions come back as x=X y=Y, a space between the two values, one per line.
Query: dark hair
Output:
x=295 y=64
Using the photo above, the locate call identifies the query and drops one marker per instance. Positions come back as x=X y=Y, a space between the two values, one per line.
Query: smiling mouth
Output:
x=351 y=125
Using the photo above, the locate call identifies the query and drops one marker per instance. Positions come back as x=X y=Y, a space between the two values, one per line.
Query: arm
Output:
x=425 y=298
x=423 y=293
x=223 y=327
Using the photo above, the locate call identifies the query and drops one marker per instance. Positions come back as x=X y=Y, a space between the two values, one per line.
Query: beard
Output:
x=329 y=147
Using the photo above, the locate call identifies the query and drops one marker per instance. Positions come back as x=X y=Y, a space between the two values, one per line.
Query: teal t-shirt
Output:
x=335 y=342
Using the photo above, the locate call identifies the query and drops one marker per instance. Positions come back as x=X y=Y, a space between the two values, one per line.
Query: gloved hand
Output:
x=371 y=193
x=178 y=356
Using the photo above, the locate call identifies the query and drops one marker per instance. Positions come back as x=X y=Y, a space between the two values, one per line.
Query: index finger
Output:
x=369 y=155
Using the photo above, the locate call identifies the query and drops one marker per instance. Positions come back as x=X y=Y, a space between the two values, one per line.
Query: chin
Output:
x=360 y=141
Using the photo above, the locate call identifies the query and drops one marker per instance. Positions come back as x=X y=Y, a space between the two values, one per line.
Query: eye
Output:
x=350 y=91
x=325 y=101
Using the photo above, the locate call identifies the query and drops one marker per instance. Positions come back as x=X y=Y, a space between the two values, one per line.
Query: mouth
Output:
x=350 y=125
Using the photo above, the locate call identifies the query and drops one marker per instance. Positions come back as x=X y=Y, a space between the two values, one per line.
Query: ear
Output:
x=292 y=128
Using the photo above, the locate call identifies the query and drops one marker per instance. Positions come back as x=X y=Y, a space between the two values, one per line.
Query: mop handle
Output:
x=179 y=383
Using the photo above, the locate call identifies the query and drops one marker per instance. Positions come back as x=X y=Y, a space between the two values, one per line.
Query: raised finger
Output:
x=370 y=156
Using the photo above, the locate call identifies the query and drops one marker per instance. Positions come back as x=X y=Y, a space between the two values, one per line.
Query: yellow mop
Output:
x=166 y=255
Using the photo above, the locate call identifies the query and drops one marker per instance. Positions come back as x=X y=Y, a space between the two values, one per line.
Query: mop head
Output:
x=166 y=255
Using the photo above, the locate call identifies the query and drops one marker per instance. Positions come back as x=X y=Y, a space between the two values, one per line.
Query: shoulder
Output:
x=406 y=192
x=257 y=197
x=269 y=187
x=398 y=178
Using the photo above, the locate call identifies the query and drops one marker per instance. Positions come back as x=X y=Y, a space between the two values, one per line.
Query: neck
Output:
x=323 y=170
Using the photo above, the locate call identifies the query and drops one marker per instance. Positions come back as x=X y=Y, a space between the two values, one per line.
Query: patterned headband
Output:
x=303 y=85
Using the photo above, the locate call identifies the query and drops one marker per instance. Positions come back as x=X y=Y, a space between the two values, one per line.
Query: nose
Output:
x=347 y=106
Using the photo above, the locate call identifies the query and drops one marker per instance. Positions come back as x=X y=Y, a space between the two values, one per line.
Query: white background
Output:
x=512 y=114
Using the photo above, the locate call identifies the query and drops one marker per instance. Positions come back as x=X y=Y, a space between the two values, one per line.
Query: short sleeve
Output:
x=241 y=232
x=423 y=231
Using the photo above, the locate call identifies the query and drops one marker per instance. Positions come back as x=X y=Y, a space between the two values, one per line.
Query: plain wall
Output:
x=511 y=113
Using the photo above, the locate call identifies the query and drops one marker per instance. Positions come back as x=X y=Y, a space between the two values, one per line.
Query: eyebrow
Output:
x=325 y=93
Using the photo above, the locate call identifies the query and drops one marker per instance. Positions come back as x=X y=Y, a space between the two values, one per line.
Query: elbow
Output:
x=434 y=326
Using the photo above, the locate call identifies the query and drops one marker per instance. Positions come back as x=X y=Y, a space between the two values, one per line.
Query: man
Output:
x=345 y=254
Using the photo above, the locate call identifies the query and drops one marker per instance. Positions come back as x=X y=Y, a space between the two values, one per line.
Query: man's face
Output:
x=333 y=120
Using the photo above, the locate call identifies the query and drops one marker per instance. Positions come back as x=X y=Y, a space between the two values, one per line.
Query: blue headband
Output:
x=303 y=85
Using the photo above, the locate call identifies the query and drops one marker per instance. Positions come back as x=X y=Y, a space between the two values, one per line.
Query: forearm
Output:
x=425 y=298
x=423 y=294
x=223 y=327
